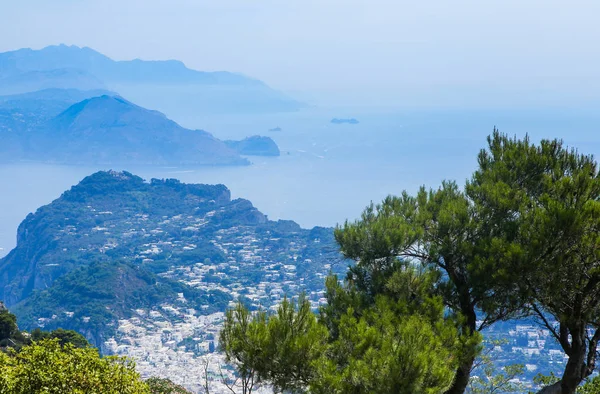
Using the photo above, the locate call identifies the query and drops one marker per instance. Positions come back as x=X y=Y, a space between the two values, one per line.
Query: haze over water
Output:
x=327 y=173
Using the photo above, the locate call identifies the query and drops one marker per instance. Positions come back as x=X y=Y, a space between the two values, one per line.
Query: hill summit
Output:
x=111 y=130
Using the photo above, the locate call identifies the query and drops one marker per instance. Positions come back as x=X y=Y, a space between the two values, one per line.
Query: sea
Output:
x=327 y=173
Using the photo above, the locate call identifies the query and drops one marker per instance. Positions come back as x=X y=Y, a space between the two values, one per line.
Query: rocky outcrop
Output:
x=255 y=146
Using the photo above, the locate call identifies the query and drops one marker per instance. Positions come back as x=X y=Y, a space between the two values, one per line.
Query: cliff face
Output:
x=19 y=279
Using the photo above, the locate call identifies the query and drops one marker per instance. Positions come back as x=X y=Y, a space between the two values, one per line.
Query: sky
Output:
x=439 y=53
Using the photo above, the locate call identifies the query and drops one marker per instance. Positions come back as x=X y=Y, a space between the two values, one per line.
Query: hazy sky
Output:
x=412 y=53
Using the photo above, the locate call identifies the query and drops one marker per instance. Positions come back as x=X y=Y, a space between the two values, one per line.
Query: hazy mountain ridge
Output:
x=31 y=81
x=165 y=85
x=86 y=60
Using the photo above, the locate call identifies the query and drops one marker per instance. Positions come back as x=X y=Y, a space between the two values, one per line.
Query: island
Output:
x=344 y=121
x=276 y=129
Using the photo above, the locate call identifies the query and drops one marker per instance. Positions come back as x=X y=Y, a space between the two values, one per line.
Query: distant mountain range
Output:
x=117 y=247
x=87 y=61
x=63 y=104
x=98 y=127
x=168 y=86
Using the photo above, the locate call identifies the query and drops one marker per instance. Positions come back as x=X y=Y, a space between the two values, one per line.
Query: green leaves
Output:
x=494 y=381
x=164 y=386
x=398 y=343
x=541 y=204
x=438 y=231
x=279 y=349
x=8 y=325
x=489 y=378
x=244 y=340
x=296 y=340
x=49 y=368
x=385 y=352
x=64 y=337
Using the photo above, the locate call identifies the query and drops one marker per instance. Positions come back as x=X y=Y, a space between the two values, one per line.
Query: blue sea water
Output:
x=327 y=173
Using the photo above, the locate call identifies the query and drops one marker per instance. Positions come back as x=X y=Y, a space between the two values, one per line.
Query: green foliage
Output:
x=488 y=378
x=243 y=340
x=164 y=386
x=385 y=352
x=49 y=368
x=545 y=380
x=396 y=341
x=8 y=325
x=10 y=335
x=526 y=225
x=493 y=381
x=64 y=337
x=591 y=386
x=438 y=230
x=107 y=291
x=295 y=341
x=399 y=343
x=278 y=349
x=542 y=206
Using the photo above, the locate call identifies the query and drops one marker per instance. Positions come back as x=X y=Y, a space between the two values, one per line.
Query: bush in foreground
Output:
x=48 y=367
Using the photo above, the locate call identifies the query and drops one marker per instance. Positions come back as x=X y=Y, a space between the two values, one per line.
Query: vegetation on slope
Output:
x=92 y=298
x=63 y=362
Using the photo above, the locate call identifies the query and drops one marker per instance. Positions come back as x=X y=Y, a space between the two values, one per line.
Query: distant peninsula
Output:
x=255 y=146
x=344 y=121
x=105 y=130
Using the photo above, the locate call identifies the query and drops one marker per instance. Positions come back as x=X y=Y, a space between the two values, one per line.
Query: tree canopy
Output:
x=439 y=229
x=62 y=361
x=544 y=202
x=279 y=349
x=9 y=331
x=400 y=342
x=64 y=337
